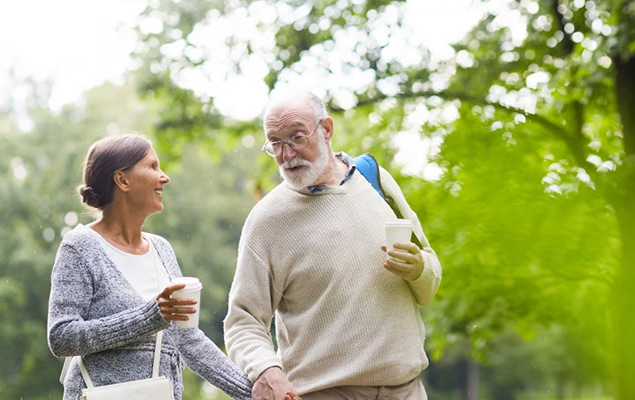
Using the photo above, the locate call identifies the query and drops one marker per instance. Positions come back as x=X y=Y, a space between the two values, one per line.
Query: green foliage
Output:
x=516 y=256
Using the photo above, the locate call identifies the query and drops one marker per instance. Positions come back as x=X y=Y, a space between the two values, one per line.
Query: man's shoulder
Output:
x=275 y=198
x=270 y=204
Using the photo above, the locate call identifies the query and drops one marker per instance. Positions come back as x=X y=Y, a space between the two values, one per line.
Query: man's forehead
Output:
x=287 y=107
x=287 y=118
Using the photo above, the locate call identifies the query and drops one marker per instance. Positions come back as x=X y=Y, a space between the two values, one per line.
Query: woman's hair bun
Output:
x=89 y=196
x=104 y=158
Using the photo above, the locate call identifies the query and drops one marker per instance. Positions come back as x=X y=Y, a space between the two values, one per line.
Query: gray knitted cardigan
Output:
x=95 y=312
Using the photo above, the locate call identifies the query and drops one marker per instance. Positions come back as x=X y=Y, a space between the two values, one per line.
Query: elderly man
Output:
x=312 y=253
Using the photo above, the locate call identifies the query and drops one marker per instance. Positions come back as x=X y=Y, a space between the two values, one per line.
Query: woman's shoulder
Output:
x=80 y=237
x=160 y=243
x=79 y=243
x=157 y=239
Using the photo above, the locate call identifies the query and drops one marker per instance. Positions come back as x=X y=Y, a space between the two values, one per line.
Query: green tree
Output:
x=570 y=68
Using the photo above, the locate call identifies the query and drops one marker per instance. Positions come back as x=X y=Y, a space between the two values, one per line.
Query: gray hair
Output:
x=319 y=109
x=310 y=100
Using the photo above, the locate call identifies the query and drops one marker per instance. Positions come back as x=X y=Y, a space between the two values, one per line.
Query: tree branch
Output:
x=559 y=131
x=567 y=42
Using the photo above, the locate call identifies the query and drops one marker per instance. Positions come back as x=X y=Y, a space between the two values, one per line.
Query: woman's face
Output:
x=146 y=184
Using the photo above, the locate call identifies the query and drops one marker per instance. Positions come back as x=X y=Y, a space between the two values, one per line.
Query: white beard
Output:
x=306 y=176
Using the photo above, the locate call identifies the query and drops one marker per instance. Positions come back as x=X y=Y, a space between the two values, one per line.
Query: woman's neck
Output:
x=122 y=231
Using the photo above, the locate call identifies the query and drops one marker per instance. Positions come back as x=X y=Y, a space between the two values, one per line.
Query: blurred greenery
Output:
x=533 y=214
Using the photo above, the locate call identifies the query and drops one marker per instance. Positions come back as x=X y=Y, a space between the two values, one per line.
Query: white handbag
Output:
x=155 y=388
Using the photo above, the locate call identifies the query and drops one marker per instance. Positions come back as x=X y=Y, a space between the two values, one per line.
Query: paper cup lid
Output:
x=191 y=283
x=399 y=222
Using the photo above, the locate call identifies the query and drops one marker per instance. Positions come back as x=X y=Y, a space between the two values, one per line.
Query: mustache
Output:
x=296 y=162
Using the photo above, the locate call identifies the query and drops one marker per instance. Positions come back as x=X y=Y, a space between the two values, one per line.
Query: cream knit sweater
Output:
x=314 y=260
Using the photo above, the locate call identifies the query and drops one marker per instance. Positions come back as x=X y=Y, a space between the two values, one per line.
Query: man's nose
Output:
x=288 y=152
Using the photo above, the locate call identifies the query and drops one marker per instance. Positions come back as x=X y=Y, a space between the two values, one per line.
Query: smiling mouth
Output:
x=159 y=192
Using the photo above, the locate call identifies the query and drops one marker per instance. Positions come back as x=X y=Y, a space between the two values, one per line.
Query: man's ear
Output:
x=327 y=126
x=121 y=181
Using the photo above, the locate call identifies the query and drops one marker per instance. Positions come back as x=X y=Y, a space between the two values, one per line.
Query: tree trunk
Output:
x=472 y=380
x=560 y=388
x=624 y=305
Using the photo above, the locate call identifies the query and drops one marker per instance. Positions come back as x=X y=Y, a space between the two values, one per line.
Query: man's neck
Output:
x=334 y=173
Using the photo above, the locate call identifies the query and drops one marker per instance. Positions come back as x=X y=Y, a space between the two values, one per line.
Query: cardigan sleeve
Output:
x=202 y=356
x=70 y=332
x=426 y=285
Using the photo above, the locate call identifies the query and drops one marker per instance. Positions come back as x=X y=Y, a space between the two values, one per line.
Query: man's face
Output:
x=300 y=167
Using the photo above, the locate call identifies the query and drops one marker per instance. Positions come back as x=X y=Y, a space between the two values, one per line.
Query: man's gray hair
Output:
x=319 y=109
x=310 y=100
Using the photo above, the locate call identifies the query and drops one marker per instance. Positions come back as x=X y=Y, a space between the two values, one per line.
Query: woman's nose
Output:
x=164 y=177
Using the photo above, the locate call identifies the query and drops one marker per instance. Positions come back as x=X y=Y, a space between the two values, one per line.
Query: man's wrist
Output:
x=269 y=370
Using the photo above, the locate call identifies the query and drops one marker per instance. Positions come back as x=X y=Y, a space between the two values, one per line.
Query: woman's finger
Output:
x=172 y=302
x=172 y=288
x=175 y=317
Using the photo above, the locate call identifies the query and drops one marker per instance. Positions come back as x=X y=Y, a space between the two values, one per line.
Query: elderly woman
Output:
x=110 y=285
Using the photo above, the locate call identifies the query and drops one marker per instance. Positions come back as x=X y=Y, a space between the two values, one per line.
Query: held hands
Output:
x=273 y=384
x=404 y=260
x=174 y=309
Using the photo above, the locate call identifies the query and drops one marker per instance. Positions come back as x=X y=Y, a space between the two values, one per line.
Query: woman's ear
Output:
x=121 y=181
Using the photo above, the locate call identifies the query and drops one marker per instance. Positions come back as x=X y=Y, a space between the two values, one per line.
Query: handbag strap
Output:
x=82 y=368
x=155 y=365
x=157 y=346
x=157 y=355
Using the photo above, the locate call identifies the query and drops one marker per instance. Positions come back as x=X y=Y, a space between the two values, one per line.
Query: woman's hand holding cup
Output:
x=175 y=309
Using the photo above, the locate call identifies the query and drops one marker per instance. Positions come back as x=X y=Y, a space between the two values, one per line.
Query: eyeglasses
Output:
x=296 y=142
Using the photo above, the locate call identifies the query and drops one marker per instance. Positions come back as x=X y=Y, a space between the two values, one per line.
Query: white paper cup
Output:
x=192 y=290
x=398 y=230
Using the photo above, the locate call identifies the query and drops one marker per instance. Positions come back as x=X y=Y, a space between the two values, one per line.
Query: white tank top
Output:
x=139 y=270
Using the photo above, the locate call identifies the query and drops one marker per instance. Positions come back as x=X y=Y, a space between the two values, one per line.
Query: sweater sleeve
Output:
x=69 y=332
x=204 y=358
x=426 y=285
x=253 y=299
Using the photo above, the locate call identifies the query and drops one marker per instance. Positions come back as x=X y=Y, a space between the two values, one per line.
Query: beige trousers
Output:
x=412 y=390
